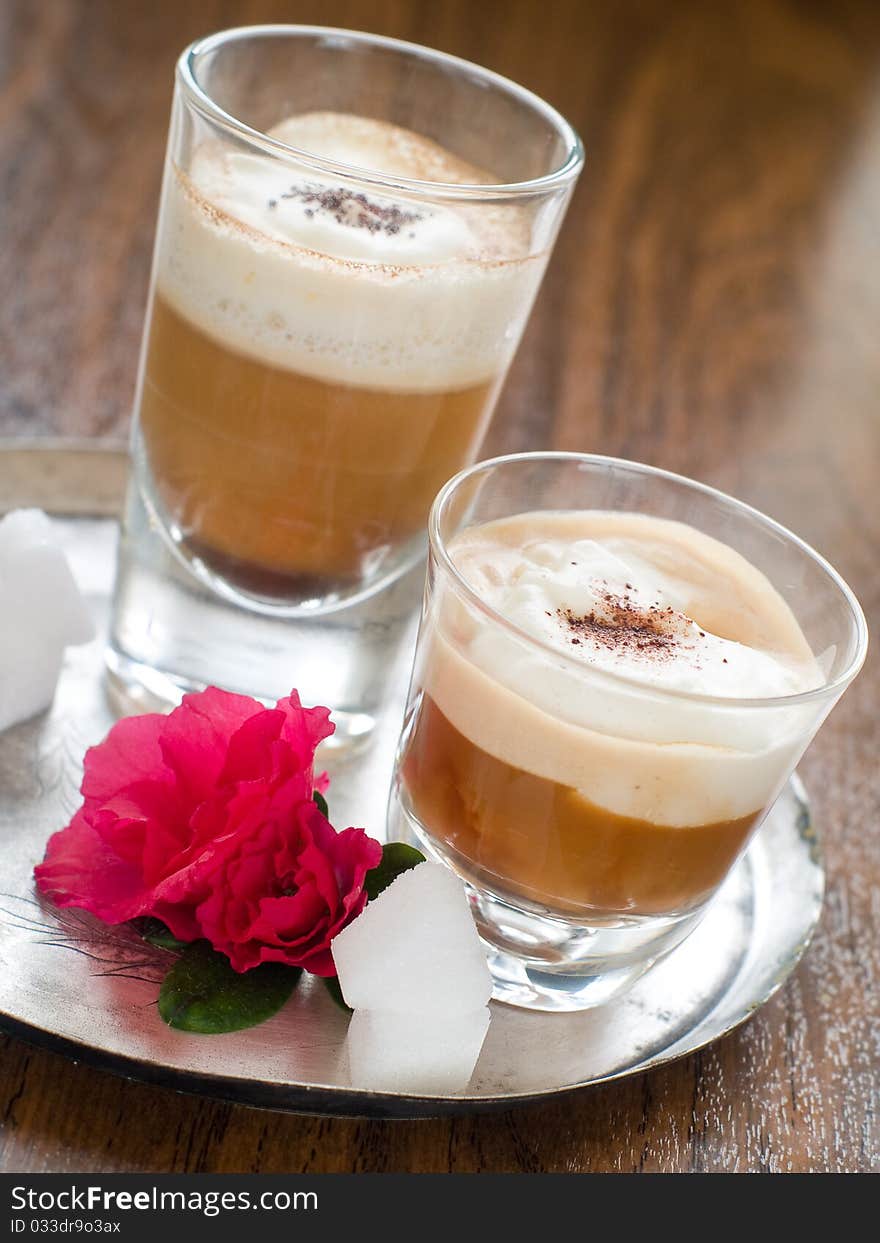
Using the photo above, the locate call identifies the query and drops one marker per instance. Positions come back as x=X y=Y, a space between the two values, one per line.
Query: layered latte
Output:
x=587 y=738
x=320 y=359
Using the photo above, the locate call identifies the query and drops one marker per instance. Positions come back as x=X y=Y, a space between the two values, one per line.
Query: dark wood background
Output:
x=713 y=307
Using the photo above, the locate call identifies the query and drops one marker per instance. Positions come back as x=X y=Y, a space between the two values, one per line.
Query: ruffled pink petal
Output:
x=195 y=737
x=130 y=753
x=79 y=869
x=290 y=920
x=249 y=753
x=149 y=800
x=304 y=728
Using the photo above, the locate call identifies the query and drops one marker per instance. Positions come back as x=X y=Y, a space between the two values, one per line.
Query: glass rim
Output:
x=828 y=690
x=187 y=77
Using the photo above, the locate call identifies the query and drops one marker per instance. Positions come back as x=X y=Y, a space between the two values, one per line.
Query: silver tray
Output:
x=69 y=983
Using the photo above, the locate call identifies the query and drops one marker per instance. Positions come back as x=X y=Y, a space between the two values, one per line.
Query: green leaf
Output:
x=397 y=858
x=321 y=804
x=155 y=933
x=331 y=983
x=202 y=993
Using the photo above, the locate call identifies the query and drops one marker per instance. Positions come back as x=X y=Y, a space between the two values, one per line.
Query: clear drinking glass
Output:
x=591 y=812
x=326 y=336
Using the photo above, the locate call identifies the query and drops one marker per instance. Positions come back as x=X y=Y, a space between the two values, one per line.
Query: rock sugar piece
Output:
x=415 y=949
x=423 y=1054
x=41 y=613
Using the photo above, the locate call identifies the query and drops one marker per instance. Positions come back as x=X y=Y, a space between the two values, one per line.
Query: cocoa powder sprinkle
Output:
x=625 y=627
x=352 y=208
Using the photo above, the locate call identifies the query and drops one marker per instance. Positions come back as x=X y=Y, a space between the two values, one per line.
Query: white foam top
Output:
x=662 y=605
x=613 y=611
x=337 y=281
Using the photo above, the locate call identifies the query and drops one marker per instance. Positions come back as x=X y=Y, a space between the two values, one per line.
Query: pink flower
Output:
x=205 y=819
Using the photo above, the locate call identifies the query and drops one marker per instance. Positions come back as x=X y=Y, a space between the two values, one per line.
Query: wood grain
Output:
x=713 y=307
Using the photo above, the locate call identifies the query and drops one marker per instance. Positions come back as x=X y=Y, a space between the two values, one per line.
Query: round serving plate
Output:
x=72 y=984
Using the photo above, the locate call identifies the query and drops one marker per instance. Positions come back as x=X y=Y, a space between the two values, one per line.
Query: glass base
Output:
x=540 y=961
x=518 y=985
x=170 y=633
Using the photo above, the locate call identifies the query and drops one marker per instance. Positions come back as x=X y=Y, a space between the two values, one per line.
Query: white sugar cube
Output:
x=41 y=613
x=25 y=527
x=415 y=949
x=426 y=1054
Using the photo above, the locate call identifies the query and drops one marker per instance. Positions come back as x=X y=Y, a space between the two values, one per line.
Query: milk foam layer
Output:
x=337 y=281
x=662 y=605
x=604 y=606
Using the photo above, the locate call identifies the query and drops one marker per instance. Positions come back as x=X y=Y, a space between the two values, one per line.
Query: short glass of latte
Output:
x=351 y=235
x=617 y=671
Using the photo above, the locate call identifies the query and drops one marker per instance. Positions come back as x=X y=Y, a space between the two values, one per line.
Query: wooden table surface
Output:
x=713 y=307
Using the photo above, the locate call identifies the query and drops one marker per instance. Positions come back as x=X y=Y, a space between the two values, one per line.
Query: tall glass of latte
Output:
x=351 y=235
x=618 y=670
